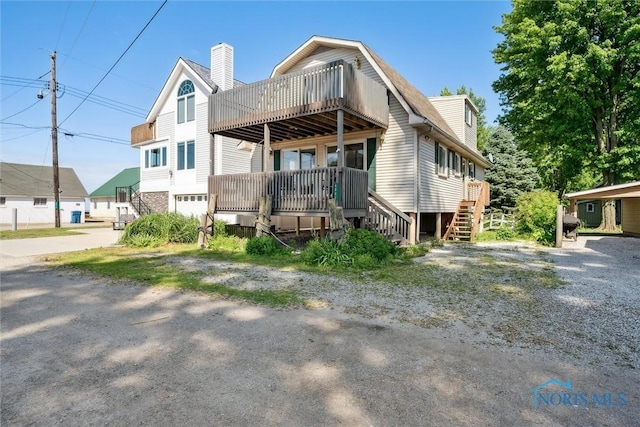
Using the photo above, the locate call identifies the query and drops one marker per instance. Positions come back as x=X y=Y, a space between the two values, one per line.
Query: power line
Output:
x=117 y=61
x=64 y=20
x=86 y=18
x=4 y=140
x=23 y=110
x=23 y=172
x=68 y=132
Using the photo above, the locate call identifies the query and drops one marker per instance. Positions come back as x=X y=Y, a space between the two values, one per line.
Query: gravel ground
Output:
x=78 y=350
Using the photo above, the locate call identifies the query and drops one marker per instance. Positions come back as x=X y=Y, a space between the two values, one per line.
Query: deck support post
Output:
x=336 y=221
x=323 y=226
x=559 y=214
x=438 y=233
x=266 y=154
x=206 y=222
x=412 y=228
x=297 y=226
x=263 y=223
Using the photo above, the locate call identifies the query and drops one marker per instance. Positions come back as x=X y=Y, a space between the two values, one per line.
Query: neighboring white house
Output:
x=29 y=190
x=104 y=200
x=420 y=155
x=177 y=154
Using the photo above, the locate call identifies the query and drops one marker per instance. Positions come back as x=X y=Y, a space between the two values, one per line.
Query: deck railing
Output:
x=387 y=220
x=142 y=133
x=310 y=91
x=295 y=193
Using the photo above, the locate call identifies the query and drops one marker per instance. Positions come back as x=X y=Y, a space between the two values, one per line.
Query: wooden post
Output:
x=297 y=226
x=438 y=234
x=336 y=221
x=206 y=222
x=559 y=213
x=266 y=155
x=573 y=209
x=323 y=226
x=412 y=228
x=263 y=223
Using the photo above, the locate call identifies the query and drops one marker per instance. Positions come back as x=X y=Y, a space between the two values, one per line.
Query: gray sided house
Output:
x=119 y=189
x=337 y=122
x=29 y=190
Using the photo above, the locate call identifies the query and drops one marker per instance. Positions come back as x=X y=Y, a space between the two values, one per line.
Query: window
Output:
x=186 y=102
x=471 y=169
x=441 y=160
x=186 y=155
x=155 y=157
x=454 y=163
x=591 y=207
x=468 y=114
x=3 y=201
x=304 y=158
x=353 y=156
x=200 y=198
x=40 y=201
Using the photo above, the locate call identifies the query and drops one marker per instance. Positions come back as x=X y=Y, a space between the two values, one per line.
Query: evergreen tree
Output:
x=513 y=172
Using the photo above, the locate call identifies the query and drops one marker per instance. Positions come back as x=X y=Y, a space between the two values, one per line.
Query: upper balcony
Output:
x=143 y=133
x=300 y=104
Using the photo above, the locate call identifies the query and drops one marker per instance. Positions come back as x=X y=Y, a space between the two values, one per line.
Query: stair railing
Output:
x=386 y=219
x=481 y=200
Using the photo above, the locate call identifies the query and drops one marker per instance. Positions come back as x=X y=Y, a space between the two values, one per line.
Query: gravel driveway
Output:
x=78 y=350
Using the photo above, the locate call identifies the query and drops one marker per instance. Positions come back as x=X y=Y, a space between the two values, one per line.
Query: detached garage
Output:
x=629 y=194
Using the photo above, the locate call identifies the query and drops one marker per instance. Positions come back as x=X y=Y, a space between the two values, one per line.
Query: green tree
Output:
x=570 y=86
x=513 y=172
x=481 y=104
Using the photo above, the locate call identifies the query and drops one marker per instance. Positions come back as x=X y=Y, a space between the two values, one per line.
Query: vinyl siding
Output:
x=471 y=132
x=395 y=179
x=452 y=110
x=157 y=179
x=233 y=159
x=631 y=216
x=203 y=158
x=256 y=158
x=437 y=193
x=27 y=213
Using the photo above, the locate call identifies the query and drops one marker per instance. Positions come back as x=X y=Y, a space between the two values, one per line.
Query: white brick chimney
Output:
x=222 y=66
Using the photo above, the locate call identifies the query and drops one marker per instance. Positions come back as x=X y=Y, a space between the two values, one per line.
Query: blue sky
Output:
x=432 y=44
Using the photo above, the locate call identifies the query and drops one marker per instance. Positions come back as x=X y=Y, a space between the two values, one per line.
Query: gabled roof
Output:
x=202 y=74
x=411 y=98
x=37 y=181
x=126 y=178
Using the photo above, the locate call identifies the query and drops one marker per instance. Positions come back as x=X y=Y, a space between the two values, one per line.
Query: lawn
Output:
x=36 y=232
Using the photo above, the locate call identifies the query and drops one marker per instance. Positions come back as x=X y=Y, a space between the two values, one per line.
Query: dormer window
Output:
x=186 y=102
x=468 y=114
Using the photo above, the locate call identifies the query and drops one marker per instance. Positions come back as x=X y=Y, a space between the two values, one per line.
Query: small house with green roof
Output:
x=117 y=190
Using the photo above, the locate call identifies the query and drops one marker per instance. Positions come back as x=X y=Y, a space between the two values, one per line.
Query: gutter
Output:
x=417 y=121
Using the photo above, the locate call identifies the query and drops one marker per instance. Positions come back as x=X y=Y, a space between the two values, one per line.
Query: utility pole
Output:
x=54 y=141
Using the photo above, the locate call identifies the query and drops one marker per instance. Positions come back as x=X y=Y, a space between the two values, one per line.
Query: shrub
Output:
x=264 y=245
x=365 y=242
x=159 y=229
x=219 y=228
x=326 y=253
x=505 y=234
x=536 y=215
x=415 y=251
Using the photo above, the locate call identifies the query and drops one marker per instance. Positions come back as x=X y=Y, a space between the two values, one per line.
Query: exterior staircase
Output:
x=132 y=196
x=387 y=220
x=466 y=219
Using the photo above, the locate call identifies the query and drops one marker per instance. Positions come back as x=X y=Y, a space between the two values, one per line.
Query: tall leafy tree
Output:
x=570 y=86
x=481 y=104
x=513 y=172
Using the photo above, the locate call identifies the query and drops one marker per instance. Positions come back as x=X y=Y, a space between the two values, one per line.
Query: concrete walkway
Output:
x=20 y=251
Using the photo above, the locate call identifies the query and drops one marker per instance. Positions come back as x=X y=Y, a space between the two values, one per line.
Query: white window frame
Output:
x=3 y=201
x=185 y=158
x=590 y=207
x=443 y=159
x=468 y=114
x=162 y=155
x=40 y=202
x=188 y=101
x=298 y=151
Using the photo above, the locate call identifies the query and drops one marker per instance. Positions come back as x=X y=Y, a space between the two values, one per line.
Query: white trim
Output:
x=595 y=191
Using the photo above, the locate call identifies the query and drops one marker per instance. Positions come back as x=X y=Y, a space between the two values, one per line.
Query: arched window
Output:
x=186 y=102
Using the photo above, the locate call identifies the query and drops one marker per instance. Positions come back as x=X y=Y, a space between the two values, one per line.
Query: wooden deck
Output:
x=294 y=193
x=300 y=105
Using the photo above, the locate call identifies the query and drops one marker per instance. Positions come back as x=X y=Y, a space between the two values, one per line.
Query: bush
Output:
x=505 y=234
x=264 y=245
x=360 y=248
x=536 y=215
x=158 y=229
x=219 y=228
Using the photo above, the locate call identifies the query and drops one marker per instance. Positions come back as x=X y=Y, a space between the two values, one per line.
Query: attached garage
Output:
x=629 y=194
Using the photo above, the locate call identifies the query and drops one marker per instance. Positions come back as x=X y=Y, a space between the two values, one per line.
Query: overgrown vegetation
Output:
x=536 y=215
x=362 y=249
x=158 y=229
x=265 y=246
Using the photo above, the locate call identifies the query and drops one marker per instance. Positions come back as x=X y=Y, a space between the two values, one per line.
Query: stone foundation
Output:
x=158 y=201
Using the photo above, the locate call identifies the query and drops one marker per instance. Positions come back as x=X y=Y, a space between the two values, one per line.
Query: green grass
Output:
x=36 y=232
x=594 y=230
x=150 y=267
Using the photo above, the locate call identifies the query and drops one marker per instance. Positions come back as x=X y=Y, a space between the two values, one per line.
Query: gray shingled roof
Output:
x=37 y=181
x=418 y=102
x=205 y=74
